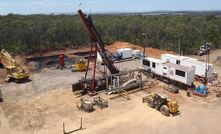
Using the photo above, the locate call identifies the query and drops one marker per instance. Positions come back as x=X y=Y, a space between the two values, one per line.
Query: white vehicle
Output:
x=137 y=54
x=169 y=72
x=200 y=67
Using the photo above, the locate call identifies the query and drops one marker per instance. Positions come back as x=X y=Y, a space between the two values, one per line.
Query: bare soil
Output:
x=44 y=104
x=152 y=52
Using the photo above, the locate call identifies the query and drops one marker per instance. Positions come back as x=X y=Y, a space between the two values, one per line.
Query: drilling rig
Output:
x=97 y=44
x=112 y=82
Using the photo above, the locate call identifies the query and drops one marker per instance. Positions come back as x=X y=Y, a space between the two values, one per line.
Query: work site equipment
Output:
x=201 y=91
x=122 y=54
x=171 y=88
x=86 y=105
x=204 y=49
x=79 y=65
x=98 y=46
x=13 y=70
x=161 y=102
x=100 y=102
x=171 y=73
x=204 y=71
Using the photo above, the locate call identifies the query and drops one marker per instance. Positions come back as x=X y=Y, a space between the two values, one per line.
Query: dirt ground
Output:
x=42 y=105
x=152 y=52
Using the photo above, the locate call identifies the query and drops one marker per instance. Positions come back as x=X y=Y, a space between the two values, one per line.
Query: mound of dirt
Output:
x=152 y=52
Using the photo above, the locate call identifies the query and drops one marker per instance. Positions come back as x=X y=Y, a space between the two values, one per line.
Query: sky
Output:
x=71 y=6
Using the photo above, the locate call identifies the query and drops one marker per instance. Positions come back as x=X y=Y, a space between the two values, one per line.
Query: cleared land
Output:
x=44 y=104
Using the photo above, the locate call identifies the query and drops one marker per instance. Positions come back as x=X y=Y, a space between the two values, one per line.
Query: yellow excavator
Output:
x=14 y=71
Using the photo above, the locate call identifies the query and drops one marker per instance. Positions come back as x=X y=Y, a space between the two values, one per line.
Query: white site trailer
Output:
x=200 y=66
x=137 y=54
x=169 y=71
x=124 y=53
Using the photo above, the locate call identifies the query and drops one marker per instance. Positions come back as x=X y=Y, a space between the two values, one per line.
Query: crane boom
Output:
x=95 y=37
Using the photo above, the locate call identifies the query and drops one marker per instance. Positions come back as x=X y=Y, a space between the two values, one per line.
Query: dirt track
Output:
x=43 y=105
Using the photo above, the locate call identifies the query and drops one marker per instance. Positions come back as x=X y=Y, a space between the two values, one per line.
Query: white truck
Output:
x=169 y=72
x=200 y=67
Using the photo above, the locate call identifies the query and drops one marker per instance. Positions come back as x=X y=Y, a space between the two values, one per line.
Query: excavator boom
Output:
x=13 y=70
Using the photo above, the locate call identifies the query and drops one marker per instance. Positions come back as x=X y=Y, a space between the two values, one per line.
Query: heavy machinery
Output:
x=201 y=91
x=161 y=102
x=13 y=70
x=204 y=49
x=79 y=65
x=98 y=46
x=85 y=104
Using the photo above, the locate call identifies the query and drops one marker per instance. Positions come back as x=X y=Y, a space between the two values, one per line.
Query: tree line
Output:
x=32 y=33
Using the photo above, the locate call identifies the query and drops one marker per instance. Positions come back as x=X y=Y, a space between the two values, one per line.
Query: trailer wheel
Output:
x=152 y=75
x=150 y=103
x=165 y=110
x=197 y=78
x=202 y=80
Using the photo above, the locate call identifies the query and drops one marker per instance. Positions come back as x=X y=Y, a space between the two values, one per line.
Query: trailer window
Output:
x=178 y=62
x=153 y=65
x=180 y=73
x=146 y=63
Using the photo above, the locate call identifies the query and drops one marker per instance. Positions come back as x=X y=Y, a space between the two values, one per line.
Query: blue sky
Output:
x=68 y=6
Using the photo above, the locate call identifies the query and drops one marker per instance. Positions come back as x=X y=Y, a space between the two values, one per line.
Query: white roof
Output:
x=137 y=50
x=154 y=60
x=124 y=49
x=183 y=68
x=184 y=57
x=179 y=57
x=197 y=62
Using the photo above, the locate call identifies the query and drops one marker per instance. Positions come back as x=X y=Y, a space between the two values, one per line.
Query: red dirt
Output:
x=152 y=52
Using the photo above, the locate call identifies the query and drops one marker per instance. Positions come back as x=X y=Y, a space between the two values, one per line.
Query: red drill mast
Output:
x=99 y=46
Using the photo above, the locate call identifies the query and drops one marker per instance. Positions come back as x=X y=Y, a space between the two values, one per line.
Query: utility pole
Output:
x=145 y=42
x=207 y=46
x=179 y=47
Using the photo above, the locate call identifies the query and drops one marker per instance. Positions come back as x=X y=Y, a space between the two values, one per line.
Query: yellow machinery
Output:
x=80 y=64
x=161 y=102
x=13 y=70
